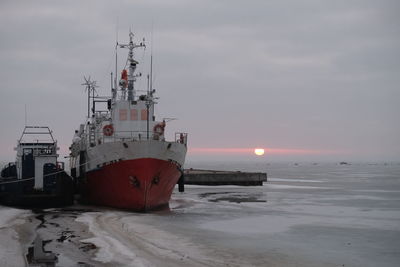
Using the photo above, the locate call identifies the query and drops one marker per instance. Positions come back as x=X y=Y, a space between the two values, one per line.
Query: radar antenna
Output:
x=90 y=88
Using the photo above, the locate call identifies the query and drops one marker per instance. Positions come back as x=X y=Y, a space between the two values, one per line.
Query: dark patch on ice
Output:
x=84 y=264
x=237 y=199
x=87 y=247
x=65 y=235
x=40 y=217
x=71 y=212
x=74 y=210
x=57 y=222
x=203 y=195
x=47 y=241
x=38 y=256
x=55 y=214
x=29 y=256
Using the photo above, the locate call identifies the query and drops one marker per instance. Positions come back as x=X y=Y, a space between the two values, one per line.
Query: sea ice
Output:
x=11 y=250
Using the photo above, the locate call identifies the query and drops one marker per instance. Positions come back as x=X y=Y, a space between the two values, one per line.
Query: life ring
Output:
x=108 y=130
x=159 y=128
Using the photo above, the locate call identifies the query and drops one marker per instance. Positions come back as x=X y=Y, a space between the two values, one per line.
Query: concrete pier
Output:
x=212 y=177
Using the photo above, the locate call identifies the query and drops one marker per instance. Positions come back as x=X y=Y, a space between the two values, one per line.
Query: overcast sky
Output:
x=315 y=76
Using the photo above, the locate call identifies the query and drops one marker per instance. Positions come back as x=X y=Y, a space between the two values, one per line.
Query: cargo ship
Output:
x=120 y=155
x=36 y=179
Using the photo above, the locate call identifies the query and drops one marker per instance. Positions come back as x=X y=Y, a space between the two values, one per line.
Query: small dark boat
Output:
x=36 y=179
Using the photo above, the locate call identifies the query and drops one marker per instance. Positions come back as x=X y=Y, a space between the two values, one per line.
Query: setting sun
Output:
x=259 y=151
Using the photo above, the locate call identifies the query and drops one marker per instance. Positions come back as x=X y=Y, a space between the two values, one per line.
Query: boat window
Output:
x=46 y=151
x=134 y=115
x=123 y=115
x=144 y=114
x=28 y=151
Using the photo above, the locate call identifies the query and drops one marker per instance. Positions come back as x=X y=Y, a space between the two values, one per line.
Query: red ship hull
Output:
x=137 y=184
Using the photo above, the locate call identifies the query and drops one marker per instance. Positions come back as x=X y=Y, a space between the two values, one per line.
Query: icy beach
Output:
x=305 y=215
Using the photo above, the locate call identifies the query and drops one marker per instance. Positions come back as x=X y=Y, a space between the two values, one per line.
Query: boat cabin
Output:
x=36 y=153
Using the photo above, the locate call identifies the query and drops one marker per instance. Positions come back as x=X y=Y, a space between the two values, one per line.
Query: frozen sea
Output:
x=307 y=214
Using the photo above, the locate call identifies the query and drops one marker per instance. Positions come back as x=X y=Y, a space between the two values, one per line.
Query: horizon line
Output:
x=268 y=151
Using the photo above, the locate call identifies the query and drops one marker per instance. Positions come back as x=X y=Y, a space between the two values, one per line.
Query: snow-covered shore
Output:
x=11 y=249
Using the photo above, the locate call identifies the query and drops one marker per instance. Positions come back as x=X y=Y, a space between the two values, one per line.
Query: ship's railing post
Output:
x=181 y=138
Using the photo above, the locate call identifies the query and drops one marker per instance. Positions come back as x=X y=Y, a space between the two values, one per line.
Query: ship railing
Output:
x=131 y=136
x=181 y=138
x=137 y=136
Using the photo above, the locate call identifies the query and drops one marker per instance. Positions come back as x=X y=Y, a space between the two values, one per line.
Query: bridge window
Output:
x=123 y=115
x=144 y=114
x=134 y=115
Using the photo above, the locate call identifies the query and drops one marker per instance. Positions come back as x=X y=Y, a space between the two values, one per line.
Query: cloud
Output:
x=310 y=74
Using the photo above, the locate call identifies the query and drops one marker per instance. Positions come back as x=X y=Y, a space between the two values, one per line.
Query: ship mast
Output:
x=132 y=63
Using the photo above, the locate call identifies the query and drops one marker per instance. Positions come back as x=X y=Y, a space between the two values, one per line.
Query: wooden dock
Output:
x=212 y=177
